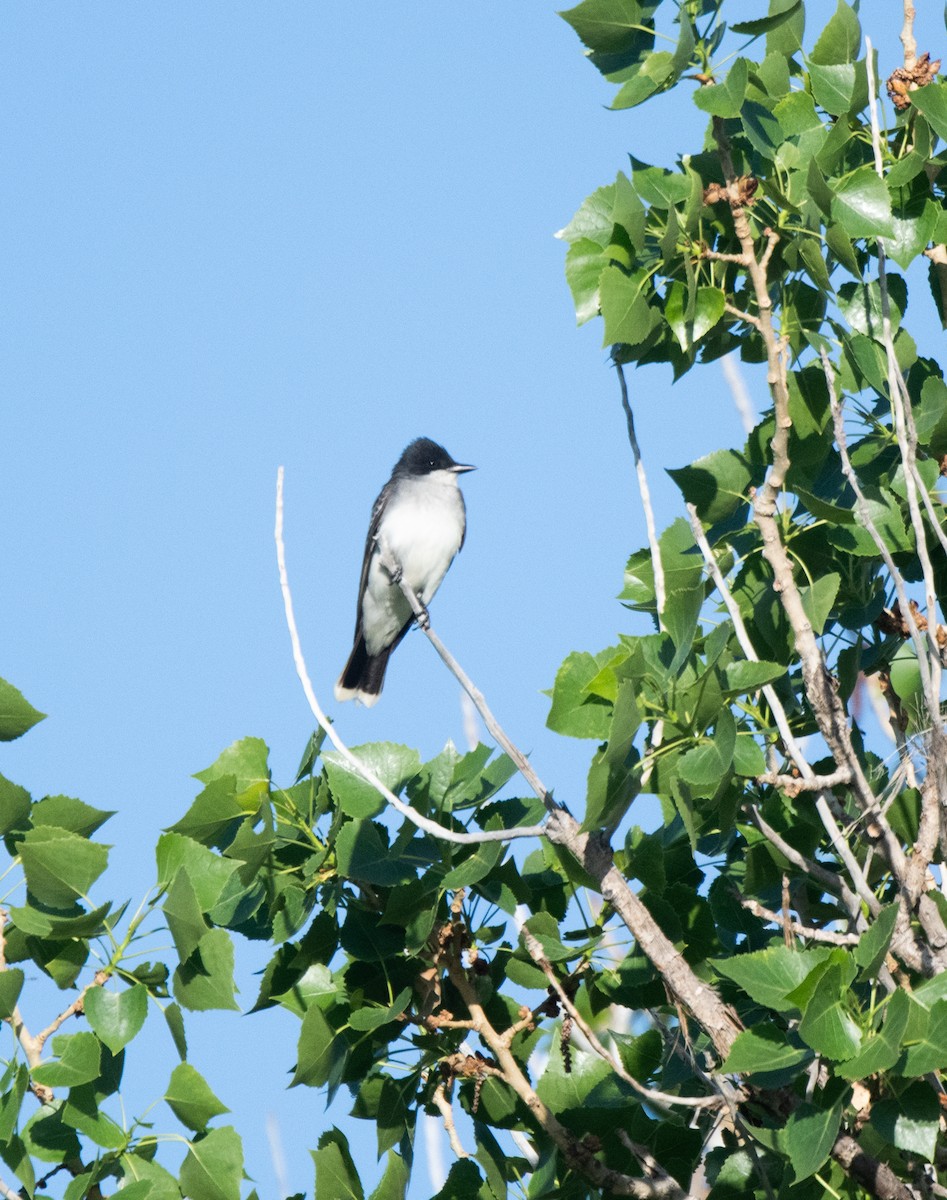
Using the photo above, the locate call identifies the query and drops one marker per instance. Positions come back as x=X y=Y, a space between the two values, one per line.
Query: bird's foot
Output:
x=423 y=619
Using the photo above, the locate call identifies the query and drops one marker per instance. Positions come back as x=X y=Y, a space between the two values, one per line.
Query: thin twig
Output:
x=645 y=493
x=74 y=1009
x=577 y=1153
x=908 y=41
x=359 y=768
x=808 y=932
x=523 y=765
x=662 y=1182
x=782 y=721
x=906 y=431
x=444 y=1108
x=652 y=1096
x=792 y=785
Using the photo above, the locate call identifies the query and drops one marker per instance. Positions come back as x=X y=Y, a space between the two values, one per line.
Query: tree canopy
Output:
x=749 y=1000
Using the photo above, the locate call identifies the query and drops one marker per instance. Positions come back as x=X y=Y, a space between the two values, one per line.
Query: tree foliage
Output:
x=750 y=1000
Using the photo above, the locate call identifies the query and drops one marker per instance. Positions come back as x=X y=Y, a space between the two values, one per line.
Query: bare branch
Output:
x=908 y=41
x=444 y=1108
x=907 y=444
x=523 y=764
x=359 y=768
x=809 y=932
x=644 y=492
x=792 y=785
x=718 y=1019
x=74 y=1009
x=662 y=1182
x=822 y=875
x=577 y=1153
x=653 y=1097
x=793 y=749
x=740 y=315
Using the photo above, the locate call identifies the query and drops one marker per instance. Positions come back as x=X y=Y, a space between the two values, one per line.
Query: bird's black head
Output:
x=423 y=456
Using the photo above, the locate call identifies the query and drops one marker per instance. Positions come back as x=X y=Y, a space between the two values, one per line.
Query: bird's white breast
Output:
x=422 y=528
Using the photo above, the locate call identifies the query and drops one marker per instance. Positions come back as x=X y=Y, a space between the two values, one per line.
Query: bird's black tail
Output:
x=364 y=674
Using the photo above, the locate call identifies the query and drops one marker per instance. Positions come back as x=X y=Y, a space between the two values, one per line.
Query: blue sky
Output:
x=237 y=235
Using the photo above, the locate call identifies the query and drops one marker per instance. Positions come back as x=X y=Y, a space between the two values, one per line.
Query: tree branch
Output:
x=645 y=493
x=359 y=768
x=652 y=1096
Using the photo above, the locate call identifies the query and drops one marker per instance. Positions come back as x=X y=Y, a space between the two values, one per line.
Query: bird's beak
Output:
x=460 y=468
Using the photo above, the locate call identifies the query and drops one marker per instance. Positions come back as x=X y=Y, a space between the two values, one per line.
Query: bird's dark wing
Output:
x=377 y=509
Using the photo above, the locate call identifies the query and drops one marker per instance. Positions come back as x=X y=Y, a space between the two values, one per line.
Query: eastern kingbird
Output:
x=419 y=520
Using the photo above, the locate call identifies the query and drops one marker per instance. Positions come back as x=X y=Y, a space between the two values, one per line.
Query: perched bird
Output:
x=419 y=521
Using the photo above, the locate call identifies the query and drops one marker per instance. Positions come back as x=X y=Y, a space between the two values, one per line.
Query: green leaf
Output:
x=785 y=38
x=247 y=761
x=190 y=1098
x=42 y=923
x=763 y=1048
x=762 y=129
x=769 y=976
x=175 y=1022
x=608 y=26
x=810 y=1136
x=911 y=1121
x=60 y=866
x=206 y=979
x=208 y=872
x=68 y=813
x=862 y=206
x=926 y=1046
x=874 y=942
x=182 y=911
x=78 y=1056
x=314 y=1051
x=474 y=867
x=116 y=1017
x=394 y=1183
x=82 y=1112
x=931 y=100
x=585 y=262
x=725 y=99
x=833 y=87
x=715 y=484
x=748 y=760
x=595 y=219
x=840 y=40
x=394 y=765
x=826 y=1025
x=912 y=234
x=15 y=806
x=213 y=1168
x=215 y=814
x=656 y=71
x=765 y=24
x=363 y=854
x=860 y=305
x=374 y=1016
x=545 y=929
x=12 y=1100
x=575 y=712
x=17 y=715
x=818 y=599
x=629 y=319
x=11 y=984
x=640 y=1055
x=881 y=1050
x=749 y=676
